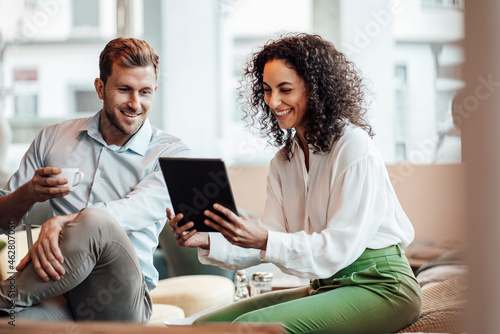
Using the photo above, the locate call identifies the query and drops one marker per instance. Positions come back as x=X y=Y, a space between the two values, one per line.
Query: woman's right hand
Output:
x=183 y=236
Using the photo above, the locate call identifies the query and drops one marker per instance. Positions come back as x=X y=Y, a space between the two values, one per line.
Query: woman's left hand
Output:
x=239 y=231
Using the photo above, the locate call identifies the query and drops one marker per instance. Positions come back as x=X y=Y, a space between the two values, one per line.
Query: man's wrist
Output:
x=26 y=195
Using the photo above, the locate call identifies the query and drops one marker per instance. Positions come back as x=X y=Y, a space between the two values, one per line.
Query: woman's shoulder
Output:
x=354 y=132
x=354 y=145
x=354 y=139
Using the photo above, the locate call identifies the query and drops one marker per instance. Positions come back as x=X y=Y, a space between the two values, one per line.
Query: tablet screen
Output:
x=195 y=185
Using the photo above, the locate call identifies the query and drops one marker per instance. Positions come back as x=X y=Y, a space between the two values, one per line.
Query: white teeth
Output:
x=130 y=115
x=283 y=113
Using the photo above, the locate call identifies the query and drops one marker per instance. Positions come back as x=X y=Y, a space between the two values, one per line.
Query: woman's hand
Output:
x=183 y=236
x=239 y=231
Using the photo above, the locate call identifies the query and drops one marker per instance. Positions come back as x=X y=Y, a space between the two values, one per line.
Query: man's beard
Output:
x=114 y=122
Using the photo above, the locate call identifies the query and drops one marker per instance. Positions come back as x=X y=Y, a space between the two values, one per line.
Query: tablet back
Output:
x=194 y=185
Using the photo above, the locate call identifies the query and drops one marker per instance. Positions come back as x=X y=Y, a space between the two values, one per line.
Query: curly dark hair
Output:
x=335 y=92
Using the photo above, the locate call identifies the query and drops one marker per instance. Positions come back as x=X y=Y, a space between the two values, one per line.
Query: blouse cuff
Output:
x=275 y=250
x=203 y=252
x=218 y=247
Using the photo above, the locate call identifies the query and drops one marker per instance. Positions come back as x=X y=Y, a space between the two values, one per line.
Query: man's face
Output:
x=127 y=98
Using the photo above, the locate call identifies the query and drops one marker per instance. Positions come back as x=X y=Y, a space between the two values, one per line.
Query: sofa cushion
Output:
x=194 y=293
x=18 y=241
x=443 y=308
x=163 y=312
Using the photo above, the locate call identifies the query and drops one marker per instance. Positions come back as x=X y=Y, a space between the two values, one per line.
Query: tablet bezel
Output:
x=204 y=180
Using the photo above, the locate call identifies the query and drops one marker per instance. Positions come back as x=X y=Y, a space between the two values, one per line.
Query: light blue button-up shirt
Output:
x=126 y=181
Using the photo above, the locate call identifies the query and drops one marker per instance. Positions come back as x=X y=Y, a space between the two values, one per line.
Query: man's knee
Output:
x=92 y=223
x=95 y=215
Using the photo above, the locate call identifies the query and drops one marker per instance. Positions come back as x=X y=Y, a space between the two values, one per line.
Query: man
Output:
x=97 y=249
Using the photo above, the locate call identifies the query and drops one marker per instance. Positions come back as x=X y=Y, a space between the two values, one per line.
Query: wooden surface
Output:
x=127 y=328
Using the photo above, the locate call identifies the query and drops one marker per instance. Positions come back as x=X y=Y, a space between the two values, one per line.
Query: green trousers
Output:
x=377 y=293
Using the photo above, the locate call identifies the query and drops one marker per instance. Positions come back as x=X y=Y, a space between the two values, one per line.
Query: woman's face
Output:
x=285 y=94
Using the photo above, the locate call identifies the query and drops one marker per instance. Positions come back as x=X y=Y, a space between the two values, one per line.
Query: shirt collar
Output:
x=295 y=144
x=138 y=143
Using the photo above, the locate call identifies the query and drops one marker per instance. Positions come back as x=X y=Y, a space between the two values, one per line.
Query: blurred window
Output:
x=26 y=105
x=26 y=92
x=85 y=18
x=86 y=101
x=457 y=4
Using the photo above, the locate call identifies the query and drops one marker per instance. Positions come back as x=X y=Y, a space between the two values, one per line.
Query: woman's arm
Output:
x=356 y=208
x=213 y=248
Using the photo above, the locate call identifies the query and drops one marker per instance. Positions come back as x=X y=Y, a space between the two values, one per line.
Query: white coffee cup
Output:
x=73 y=175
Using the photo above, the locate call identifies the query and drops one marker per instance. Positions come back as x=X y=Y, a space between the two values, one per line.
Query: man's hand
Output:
x=183 y=236
x=46 y=254
x=42 y=187
x=39 y=189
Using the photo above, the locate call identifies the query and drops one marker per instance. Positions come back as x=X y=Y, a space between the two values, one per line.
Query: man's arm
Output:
x=15 y=205
x=40 y=188
x=145 y=204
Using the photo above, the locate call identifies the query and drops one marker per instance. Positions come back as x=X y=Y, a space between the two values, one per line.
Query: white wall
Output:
x=58 y=67
x=419 y=101
x=265 y=18
x=366 y=37
x=414 y=23
x=189 y=70
x=52 y=20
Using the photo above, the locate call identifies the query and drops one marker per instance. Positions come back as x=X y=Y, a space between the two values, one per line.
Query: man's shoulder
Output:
x=77 y=123
x=165 y=139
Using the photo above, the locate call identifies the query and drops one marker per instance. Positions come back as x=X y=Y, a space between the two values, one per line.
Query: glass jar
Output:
x=260 y=283
x=241 y=284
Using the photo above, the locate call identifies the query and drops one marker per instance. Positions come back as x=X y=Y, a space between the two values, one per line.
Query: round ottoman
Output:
x=163 y=312
x=194 y=293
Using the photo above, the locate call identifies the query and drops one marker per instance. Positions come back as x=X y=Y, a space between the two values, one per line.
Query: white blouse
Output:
x=322 y=220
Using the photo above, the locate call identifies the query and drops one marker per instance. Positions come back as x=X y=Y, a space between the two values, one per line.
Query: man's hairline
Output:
x=125 y=66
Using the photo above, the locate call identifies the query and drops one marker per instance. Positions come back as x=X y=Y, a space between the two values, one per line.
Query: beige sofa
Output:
x=433 y=196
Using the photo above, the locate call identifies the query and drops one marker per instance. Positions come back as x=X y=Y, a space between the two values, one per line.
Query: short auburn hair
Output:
x=129 y=52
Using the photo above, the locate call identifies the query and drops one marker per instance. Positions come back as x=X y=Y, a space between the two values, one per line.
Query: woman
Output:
x=331 y=213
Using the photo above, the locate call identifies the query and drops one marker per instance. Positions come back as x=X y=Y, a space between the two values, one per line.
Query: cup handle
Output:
x=78 y=178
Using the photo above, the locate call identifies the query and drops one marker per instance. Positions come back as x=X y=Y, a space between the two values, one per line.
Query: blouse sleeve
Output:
x=228 y=256
x=355 y=211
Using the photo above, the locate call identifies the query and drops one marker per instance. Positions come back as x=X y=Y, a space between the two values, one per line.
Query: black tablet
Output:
x=194 y=185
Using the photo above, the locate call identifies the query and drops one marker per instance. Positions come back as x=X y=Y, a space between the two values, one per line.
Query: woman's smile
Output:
x=282 y=113
x=285 y=94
